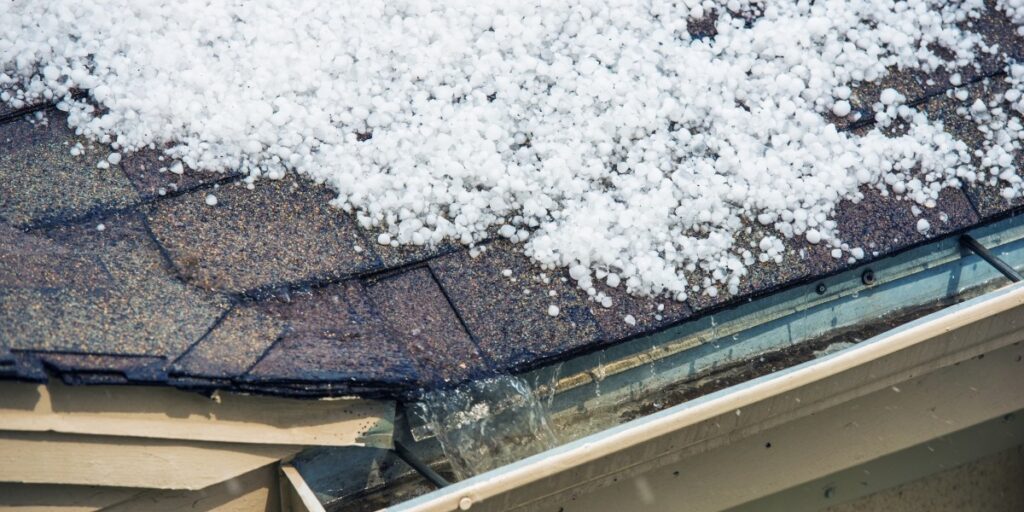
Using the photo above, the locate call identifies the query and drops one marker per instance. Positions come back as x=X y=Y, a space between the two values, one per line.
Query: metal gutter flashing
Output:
x=909 y=353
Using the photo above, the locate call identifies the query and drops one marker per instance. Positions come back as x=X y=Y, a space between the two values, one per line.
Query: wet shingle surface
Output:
x=430 y=332
x=801 y=261
x=629 y=316
x=127 y=275
x=883 y=224
x=404 y=255
x=508 y=314
x=121 y=301
x=333 y=337
x=1000 y=34
x=35 y=156
x=23 y=366
x=232 y=346
x=77 y=368
x=864 y=96
x=277 y=234
x=986 y=193
x=8 y=112
x=154 y=176
x=31 y=261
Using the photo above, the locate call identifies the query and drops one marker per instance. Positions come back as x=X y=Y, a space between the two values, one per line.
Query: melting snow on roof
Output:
x=599 y=134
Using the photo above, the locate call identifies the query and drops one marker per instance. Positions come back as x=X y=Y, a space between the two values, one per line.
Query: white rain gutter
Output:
x=924 y=355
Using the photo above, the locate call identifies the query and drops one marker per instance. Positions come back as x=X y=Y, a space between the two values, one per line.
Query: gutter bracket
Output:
x=974 y=246
x=421 y=468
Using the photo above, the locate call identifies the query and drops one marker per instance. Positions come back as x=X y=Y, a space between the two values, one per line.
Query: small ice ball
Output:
x=841 y=108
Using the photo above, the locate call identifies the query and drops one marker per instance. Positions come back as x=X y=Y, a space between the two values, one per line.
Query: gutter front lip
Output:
x=488 y=485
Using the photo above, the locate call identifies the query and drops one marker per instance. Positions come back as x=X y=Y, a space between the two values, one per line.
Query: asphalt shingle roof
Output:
x=274 y=291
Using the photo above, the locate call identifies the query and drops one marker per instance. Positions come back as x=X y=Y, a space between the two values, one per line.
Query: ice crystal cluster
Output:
x=602 y=135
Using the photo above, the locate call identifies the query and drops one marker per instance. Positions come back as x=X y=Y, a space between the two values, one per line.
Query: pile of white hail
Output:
x=598 y=133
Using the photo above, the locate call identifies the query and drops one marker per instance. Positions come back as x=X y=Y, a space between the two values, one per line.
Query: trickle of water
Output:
x=486 y=424
x=598 y=374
